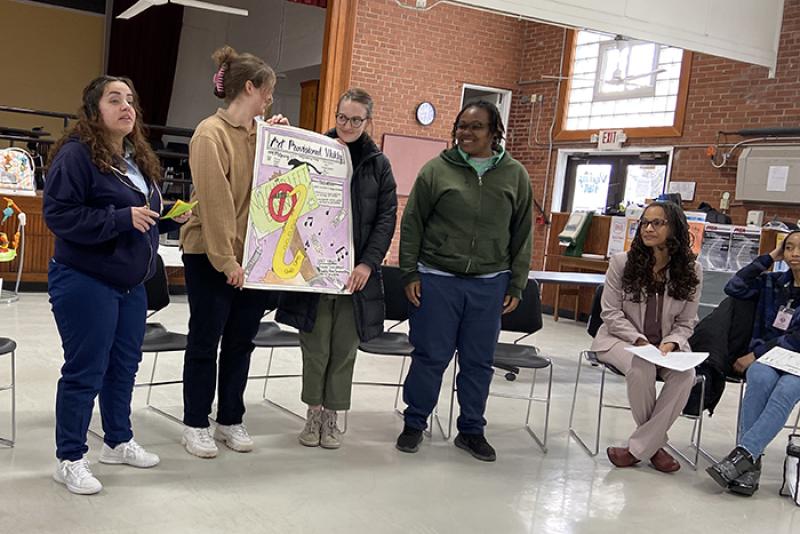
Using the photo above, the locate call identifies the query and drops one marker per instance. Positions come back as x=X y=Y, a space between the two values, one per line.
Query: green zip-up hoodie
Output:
x=459 y=223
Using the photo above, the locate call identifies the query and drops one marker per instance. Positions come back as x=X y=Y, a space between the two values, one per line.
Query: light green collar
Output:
x=481 y=167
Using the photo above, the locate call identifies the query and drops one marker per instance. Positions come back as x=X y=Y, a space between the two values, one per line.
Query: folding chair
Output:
x=511 y=357
x=9 y=346
x=697 y=428
x=157 y=338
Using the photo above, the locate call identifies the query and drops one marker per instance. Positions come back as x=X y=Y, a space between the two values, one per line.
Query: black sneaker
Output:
x=476 y=445
x=409 y=440
x=737 y=463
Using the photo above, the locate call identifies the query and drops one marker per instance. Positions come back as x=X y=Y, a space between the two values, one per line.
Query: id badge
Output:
x=783 y=318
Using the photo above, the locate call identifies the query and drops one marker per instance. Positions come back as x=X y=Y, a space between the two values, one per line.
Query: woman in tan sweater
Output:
x=221 y=157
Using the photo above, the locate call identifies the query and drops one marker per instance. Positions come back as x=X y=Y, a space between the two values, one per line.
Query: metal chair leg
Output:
x=266 y=374
x=13 y=387
x=399 y=383
x=152 y=379
x=542 y=442
x=572 y=431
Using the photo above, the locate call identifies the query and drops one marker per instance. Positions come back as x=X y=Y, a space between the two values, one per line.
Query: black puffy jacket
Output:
x=374 y=211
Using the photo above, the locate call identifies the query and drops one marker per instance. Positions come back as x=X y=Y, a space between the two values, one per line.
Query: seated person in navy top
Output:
x=771 y=394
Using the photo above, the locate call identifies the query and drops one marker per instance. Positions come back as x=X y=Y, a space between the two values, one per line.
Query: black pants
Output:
x=218 y=310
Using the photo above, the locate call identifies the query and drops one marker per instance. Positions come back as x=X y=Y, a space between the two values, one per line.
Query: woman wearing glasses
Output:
x=465 y=253
x=651 y=296
x=331 y=326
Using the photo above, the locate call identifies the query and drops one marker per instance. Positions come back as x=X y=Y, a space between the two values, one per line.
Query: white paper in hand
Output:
x=680 y=361
x=783 y=360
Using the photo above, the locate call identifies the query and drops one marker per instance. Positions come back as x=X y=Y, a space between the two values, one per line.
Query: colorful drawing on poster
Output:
x=300 y=231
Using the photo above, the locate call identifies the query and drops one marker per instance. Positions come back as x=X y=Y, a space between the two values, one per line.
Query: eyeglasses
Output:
x=472 y=127
x=342 y=120
x=656 y=224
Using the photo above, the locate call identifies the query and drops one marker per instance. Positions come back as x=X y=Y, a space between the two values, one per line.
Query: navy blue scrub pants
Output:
x=225 y=317
x=455 y=314
x=101 y=328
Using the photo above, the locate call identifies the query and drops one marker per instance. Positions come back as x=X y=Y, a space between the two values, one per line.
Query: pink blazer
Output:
x=623 y=319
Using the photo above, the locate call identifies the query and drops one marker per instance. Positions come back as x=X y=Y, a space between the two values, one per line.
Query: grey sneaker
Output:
x=311 y=433
x=235 y=437
x=330 y=435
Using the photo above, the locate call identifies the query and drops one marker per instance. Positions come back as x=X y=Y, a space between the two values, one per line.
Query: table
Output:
x=575 y=279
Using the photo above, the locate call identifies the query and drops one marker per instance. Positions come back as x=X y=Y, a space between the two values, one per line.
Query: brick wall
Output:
x=403 y=57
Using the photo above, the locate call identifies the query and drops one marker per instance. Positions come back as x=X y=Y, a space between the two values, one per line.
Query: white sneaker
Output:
x=235 y=437
x=198 y=441
x=77 y=477
x=130 y=453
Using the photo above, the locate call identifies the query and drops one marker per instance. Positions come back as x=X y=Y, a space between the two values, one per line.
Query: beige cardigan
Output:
x=221 y=157
x=623 y=319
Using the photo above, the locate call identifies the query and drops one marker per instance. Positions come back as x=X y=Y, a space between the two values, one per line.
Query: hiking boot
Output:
x=311 y=432
x=330 y=436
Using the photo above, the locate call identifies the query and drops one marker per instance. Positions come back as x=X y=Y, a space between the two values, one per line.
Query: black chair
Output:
x=271 y=336
x=157 y=338
x=511 y=357
x=9 y=346
x=595 y=322
x=395 y=344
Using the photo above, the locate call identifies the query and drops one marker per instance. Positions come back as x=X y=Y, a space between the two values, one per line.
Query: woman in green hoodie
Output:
x=465 y=249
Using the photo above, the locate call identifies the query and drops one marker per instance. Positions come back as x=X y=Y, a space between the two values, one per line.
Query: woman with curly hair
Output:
x=102 y=202
x=651 y=296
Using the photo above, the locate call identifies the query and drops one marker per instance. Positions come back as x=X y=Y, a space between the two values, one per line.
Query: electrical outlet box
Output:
x=421 y=4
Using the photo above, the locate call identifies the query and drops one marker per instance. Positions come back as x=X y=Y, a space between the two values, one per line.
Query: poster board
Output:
x=299 y=230
x=407 y=155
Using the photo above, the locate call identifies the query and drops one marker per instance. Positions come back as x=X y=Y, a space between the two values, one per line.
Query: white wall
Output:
x=744 y=30
x=288 y=36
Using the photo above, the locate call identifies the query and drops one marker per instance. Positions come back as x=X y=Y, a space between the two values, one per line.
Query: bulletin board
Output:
x=407 y=155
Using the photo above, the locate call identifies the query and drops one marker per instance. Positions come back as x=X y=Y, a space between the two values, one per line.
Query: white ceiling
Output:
x=744 y=30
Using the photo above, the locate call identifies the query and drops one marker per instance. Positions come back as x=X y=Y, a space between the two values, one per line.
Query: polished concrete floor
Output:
x=366 y=486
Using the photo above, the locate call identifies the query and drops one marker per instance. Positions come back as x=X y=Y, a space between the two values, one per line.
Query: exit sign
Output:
x=610 y=139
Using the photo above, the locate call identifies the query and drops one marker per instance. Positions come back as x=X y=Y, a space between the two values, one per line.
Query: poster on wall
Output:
x=616 y=236
x=299 y=232
x=697 y=225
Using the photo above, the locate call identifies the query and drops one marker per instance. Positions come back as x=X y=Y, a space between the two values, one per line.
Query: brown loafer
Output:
x=664 y=462
x=621 y=457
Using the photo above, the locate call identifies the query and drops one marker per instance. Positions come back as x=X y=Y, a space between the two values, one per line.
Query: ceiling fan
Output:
x=142 y=5
x=616 y=77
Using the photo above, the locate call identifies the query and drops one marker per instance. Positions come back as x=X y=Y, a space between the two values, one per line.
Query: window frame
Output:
x=648 y=90
x=676 y=130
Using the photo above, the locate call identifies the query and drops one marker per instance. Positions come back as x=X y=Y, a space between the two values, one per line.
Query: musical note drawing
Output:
x=309 y=222
x=341 y=253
